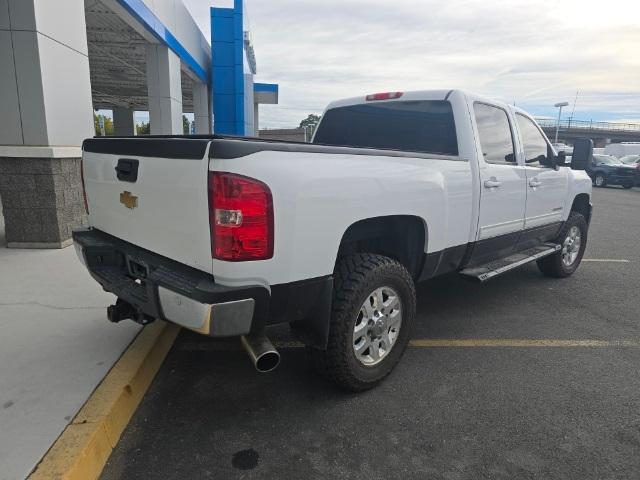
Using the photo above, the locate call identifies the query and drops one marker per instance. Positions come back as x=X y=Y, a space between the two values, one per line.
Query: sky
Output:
x=531 y=53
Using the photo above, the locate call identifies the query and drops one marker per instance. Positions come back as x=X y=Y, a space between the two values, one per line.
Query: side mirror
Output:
x=582 y=154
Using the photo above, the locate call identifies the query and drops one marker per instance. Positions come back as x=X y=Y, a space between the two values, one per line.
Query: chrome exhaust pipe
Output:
x=263 y=354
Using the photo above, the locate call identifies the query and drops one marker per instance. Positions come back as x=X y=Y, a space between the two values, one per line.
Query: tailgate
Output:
x=151 y=192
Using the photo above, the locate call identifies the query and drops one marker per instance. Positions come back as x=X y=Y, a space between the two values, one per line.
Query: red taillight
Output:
x=241 y=218
x=84 y=189
x=383 y=96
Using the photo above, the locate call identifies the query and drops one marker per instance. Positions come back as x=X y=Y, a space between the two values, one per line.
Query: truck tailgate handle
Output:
x=127 y=169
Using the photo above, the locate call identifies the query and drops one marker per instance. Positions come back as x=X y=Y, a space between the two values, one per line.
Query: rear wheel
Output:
x=600 y=180
x=628 y=186
x=373 y=311
x=573 y=238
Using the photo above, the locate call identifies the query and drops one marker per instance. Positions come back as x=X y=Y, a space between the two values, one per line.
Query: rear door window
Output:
x=414 y=126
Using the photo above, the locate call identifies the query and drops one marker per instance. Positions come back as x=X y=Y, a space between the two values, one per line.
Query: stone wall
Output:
x=41 y=200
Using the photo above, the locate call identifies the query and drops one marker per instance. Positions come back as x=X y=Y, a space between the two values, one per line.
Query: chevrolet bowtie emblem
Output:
x=128 y=200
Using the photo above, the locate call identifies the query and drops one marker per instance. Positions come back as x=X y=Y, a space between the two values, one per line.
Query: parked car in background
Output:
x=608 y=170
x=633 y=160
x=562 y=147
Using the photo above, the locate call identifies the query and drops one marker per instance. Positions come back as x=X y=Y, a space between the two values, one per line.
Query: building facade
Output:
x=61 y=61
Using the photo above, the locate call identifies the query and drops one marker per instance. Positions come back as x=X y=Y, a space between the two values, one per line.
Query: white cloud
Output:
x=532 y=52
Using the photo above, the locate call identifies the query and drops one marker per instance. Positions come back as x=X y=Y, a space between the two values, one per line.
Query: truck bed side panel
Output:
x=317 y=196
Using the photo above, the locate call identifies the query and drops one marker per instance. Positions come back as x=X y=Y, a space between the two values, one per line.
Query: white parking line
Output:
x=610 y=260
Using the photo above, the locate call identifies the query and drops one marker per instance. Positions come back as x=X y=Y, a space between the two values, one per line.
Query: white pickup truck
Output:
x=229 y=235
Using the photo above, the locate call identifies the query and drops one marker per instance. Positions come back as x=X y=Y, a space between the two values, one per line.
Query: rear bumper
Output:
x=165 y=289
x=168 y=290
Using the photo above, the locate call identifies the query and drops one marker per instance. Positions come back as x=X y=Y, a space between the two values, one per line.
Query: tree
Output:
x=143 y=128
x=310 y=122
x=108 y=124
x=186 y=125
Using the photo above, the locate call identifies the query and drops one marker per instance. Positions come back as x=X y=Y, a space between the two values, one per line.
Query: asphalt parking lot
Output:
x=450 y=412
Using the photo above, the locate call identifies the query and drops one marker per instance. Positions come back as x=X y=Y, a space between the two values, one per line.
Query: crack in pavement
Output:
x=47 y=305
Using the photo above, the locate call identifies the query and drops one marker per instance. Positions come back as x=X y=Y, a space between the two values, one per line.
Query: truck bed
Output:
x=227 y=146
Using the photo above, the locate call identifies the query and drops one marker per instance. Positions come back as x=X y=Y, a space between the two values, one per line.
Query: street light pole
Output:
x=559 y=106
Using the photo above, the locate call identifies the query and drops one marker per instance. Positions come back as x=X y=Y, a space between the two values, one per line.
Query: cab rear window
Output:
x=414 y=126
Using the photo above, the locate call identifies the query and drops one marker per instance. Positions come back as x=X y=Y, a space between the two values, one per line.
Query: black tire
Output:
x=553 y=266
x=600 y=180
x=628 y=186
x=355 y=278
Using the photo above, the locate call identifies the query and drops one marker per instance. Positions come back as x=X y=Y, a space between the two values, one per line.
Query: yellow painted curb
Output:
x=85 y=445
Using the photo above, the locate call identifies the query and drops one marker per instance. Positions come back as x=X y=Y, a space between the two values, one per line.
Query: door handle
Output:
x=493 y=182
x=534 y=182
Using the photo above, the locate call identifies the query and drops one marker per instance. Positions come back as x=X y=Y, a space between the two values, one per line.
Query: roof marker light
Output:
x=383 y=96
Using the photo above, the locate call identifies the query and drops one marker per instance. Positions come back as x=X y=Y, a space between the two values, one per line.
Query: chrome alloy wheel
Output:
x=571 y=246
x=377 y=326
x=599 y=180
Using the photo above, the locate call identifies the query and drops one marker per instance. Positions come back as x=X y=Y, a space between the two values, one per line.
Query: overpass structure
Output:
x=601 y=133
x=61 y=60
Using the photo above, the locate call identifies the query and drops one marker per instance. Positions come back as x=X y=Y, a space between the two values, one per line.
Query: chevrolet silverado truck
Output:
x=228 y=236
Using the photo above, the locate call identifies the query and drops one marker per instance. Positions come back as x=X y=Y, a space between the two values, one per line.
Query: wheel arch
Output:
x=582 y=204
x=401 y=237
